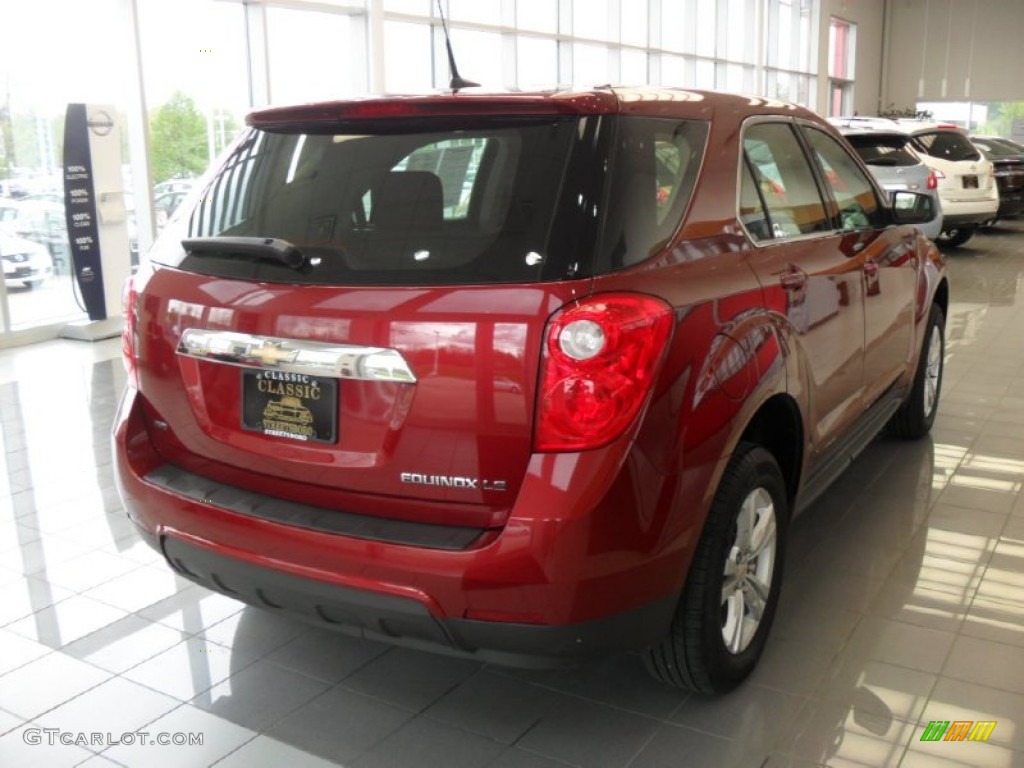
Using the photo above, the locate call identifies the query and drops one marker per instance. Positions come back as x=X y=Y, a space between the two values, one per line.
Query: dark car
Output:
x=564 y=410
x=1008 y=167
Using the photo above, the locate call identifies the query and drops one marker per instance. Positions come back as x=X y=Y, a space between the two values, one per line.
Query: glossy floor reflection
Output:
x=903 y=604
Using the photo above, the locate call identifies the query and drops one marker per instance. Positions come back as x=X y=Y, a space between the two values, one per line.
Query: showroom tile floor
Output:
x=903 y=604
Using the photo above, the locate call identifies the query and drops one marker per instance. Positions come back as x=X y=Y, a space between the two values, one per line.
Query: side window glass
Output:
x=654 y=171
x=785 y=180
x=858 y=206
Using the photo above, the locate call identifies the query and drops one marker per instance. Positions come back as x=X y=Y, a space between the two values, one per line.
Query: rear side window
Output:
x=779 y=174
x=655 y=168
x=946 y=145
x=445 y=201
x=885 y=151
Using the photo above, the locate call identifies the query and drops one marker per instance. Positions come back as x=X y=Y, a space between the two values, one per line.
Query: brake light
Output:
x=933 y=180
x=462 y=105
x=129 y=332
x=600 y=359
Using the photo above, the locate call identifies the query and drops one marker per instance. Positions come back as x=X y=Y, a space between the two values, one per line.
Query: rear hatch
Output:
x=891 y=160
x=349 y=311
x=964 y=175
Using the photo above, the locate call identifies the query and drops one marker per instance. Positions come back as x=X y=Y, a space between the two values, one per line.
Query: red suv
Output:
x=525 y=377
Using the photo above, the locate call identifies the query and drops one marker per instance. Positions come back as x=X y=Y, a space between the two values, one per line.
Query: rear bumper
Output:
x=406 y=621
x=1011 y=204
x=961 y=213
x=575 y=572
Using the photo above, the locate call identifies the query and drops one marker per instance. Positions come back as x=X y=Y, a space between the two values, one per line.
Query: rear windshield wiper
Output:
x=269 y=248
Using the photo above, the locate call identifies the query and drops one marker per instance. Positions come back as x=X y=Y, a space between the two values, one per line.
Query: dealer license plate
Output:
x=290 y=405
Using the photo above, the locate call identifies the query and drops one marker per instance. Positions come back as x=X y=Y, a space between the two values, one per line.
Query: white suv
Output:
x=967 y=185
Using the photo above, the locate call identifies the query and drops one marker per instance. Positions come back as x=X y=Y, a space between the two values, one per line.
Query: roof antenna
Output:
x=457 y=82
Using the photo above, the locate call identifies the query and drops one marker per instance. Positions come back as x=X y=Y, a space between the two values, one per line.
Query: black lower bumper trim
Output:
x=404 y=621
x=252 y=504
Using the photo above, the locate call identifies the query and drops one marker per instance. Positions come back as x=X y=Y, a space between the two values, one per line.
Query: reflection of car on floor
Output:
x=24 y=261
x=574 y=403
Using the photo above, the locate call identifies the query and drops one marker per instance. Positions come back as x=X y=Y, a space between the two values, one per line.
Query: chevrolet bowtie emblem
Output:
x=270 y=354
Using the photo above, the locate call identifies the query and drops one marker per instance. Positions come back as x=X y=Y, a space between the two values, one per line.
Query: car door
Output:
x=886 y=255
x=809 y=273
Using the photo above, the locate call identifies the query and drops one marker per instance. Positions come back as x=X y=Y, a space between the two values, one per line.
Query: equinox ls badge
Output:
x=451 y=481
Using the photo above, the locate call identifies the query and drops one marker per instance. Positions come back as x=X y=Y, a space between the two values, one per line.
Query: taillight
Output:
x=600 y=359
x=129 y=333
x=933 y=180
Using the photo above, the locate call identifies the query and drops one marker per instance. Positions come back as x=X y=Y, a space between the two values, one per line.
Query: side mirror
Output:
x=912 y=207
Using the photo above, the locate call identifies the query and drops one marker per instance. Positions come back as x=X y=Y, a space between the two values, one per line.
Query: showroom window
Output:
x=792 y=51
x=35 y=89
x=204 y=63
x=842 y=48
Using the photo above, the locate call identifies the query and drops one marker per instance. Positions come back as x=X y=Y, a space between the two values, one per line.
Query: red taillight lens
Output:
x=129 y=333
x=600 y=359
x=933 y=180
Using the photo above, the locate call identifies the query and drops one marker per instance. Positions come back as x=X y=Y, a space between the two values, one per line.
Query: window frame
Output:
x=745 y=166
x=828 y=200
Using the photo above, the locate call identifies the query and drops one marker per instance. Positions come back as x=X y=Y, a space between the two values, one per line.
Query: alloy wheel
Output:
x=749 y=566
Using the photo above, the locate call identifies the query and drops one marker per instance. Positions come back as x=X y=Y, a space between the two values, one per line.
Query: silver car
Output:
x=894 y=163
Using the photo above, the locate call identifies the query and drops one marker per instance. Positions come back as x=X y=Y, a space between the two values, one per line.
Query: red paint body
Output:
x=574 y=537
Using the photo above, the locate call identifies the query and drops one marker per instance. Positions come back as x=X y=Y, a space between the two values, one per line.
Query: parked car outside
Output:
x=166 y=204
x=896 y=165
x=24 y=261
x=172 y=185
x=699 y=308
x=1008 y=163
x=41 y=222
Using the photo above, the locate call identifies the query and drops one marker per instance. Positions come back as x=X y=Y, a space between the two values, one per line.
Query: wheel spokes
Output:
x=764 y=533
x=932 y=371
x=748 y=569
x=757 y=597
x=732 y=630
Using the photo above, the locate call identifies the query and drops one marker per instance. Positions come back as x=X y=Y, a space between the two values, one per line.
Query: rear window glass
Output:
x=397 y=203
x=946 y=145
x=888 y=151
x=995 y=149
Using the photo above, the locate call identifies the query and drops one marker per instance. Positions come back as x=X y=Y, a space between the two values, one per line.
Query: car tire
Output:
x=955 y=237
x=915 y=417
x=716 y=639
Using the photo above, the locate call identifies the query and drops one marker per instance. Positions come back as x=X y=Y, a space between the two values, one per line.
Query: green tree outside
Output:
x=1001 y=117
x=178 y=139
